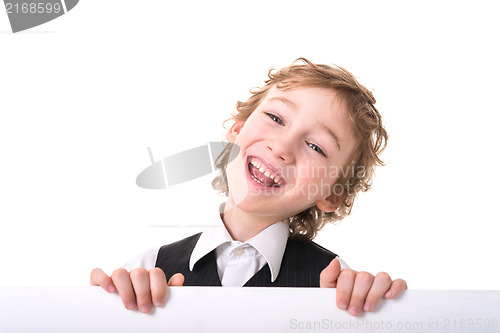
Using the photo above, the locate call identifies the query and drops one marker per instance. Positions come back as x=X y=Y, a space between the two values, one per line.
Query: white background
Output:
x=83 y=96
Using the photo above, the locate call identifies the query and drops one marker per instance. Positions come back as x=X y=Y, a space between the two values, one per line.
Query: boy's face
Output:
x=292 y=150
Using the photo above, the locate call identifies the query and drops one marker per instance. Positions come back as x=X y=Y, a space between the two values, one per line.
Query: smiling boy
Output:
x=308 y=142
x=298 y=135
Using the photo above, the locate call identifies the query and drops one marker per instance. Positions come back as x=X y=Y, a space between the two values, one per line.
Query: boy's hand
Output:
x=358 y=291
x=137 y=288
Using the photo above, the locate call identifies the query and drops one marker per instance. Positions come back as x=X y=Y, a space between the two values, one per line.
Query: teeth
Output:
x=268 y=173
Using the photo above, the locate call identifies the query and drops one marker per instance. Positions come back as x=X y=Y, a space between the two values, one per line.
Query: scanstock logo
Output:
x=26 y=14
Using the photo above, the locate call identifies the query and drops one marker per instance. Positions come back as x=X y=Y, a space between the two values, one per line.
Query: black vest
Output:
x=301 y=265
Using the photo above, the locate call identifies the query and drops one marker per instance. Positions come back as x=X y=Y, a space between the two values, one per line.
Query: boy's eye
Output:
x=316 y=148
x=275 y=118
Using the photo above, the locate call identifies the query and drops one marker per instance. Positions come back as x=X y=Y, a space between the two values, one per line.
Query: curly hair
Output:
x=368 y=127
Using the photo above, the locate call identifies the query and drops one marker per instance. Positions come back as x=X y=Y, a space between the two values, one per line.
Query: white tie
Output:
x=242 y=264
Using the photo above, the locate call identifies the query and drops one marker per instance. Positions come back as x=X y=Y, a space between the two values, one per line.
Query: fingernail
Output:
x=342 y=305
x=353 y=310
x=110 y=289
x=367 y=307
x=131 y=305
x=388 y=294
x=145 y=308
x=158 y=303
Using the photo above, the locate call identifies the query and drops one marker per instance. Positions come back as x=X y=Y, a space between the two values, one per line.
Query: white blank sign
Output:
x=211 y=309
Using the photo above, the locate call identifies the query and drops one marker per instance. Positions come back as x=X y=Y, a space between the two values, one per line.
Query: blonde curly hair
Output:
x=367 y=124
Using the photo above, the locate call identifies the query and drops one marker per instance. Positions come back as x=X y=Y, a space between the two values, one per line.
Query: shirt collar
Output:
x=270 y=242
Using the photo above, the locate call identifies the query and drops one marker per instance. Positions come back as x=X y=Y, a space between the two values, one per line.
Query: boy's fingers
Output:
x=158 y=283
x=121 y=280
x=345 y=284
x=397 y=286
x=140 y=282
x=380 y=285
x=99 y=278
x=177 y=280
x=328 y=276
x=362 y=285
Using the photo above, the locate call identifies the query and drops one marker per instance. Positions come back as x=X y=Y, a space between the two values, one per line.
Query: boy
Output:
x=308 y=142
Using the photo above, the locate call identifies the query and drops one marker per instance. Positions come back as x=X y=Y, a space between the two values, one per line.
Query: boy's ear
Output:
x=330 y=203
x=234 y=131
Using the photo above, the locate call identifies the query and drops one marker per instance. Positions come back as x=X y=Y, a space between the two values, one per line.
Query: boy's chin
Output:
x=255 y=208
x=248 y=201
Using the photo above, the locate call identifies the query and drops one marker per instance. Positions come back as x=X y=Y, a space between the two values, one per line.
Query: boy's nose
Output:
x=282 y=149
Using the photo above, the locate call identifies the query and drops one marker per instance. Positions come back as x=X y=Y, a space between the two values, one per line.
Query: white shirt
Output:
x=237 y=261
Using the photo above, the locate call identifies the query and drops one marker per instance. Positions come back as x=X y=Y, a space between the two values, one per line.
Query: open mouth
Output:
x=263 y=175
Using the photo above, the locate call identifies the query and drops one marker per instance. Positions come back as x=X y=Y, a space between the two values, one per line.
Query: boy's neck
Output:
x=243 y=225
